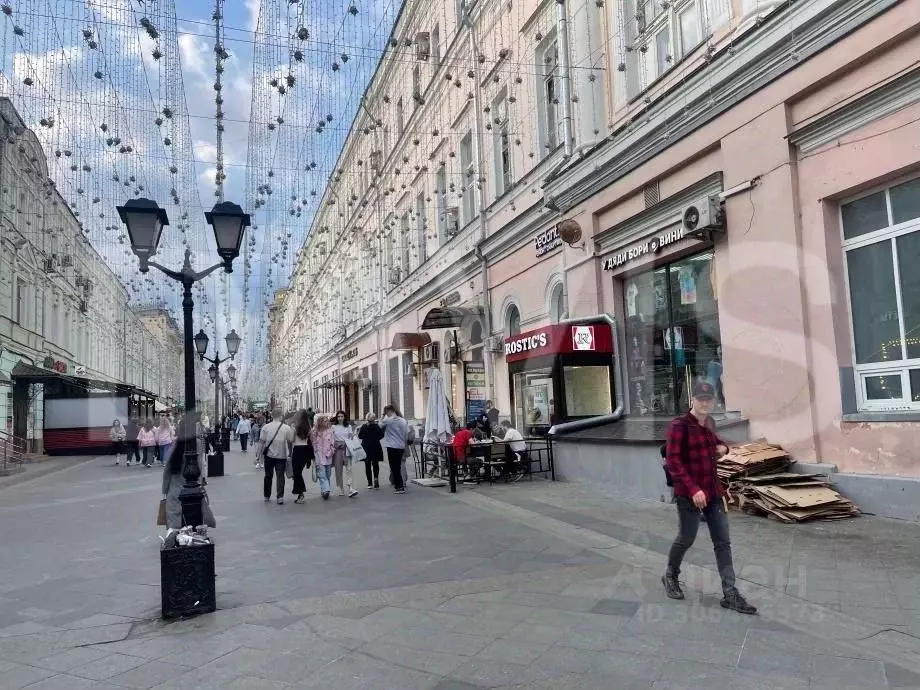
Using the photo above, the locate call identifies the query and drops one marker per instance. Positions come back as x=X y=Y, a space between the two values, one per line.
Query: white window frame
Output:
x=440 y=204
x=468 y=175
x=405 y=260
x=501 y=146
x=549 y=113
x=400 y=118
x=710 y=15
x=903 y=366
x=421 y=226
x=435 y=43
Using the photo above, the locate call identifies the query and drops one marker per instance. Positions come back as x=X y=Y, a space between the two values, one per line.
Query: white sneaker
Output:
x=352 y=494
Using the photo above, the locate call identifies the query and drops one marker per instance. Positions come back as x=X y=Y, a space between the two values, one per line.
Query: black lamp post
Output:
x=145 y=221
x=201 y=347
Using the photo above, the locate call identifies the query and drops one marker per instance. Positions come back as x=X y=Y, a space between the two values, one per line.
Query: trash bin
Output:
x=187 y=580
x=216 y=464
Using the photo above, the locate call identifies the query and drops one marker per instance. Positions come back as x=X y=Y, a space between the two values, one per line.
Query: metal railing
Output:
x=12 y=450
x=485 y=462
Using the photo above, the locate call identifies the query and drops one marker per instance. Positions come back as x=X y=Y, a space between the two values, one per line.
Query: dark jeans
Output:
x=244 y=439
x=689 y=519
x=150 y=454
x=300 y=459
x=276 y=466
x=394 y=457
x=134 y=451
x=372 y=469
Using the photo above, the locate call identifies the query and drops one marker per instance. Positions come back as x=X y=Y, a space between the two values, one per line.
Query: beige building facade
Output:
x=744 y=179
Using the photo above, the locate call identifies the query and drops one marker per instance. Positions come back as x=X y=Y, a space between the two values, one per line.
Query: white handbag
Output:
x=355 y=449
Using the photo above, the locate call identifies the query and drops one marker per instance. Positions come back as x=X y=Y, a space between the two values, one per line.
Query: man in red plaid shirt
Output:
x=692 y=449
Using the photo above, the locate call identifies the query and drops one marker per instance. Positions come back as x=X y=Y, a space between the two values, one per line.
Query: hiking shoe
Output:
x=736 y=602
x=672 y=587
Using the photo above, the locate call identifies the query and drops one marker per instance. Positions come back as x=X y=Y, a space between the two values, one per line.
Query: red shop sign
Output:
x=559 y=339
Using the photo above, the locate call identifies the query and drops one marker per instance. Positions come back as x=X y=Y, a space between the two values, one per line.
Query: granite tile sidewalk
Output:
x=535 y=585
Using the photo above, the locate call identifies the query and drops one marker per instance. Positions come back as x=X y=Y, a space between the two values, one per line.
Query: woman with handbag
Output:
x=323 y=448
x=173 y=481
x=342 y=432
x=301 y=454
x=371 y=435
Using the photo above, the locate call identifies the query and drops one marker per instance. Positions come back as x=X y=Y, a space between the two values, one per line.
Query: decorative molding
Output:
x=887 y=99
x=757 y=60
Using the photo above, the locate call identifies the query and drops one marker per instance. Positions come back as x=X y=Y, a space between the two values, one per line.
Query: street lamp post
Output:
x=201 y=347
x=145 y=220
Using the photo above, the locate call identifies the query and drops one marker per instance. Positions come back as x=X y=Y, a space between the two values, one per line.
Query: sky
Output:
x=121 y=96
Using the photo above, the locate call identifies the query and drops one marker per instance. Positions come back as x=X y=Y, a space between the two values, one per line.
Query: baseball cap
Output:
x=703 y=390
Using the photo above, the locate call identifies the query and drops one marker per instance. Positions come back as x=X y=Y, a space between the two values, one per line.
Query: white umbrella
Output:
x=437 y=419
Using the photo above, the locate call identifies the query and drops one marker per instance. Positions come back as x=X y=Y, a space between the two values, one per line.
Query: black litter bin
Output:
x=216 y=464
x=187 y=580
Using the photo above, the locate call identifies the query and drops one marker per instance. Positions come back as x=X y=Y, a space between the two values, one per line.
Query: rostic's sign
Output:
x=518 y=344
x=559 y=339
x=650 y=246
x=583 y=338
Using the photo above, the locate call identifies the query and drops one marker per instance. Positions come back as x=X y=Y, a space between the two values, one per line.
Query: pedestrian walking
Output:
x=206 y=430
x=131 y=429
x=323 y=451
x=342 y=460
x=301 y=454
x=255 y=429
x=147 y=442
x=166 y=434
x=117 y=435
x=243 y=427
x=275 y=447
x=395 y=436
x=693 y=449
x=371 y=434
x=234 y=425
x=174 y=482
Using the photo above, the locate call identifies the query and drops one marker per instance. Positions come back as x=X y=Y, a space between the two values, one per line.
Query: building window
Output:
x=394 y=382
x=557 y=304
x=421 y=227
x=659 y=34
x=672 y=335
x=435 y=38
x=22 y=292
x=440 y=200
x=408 y=408
x=549 y=112
x=400 y=118
x=501 y=145
x=468 y=182
x=404 y=236
x=417 y=84
x=881 y=239
x=513 y=321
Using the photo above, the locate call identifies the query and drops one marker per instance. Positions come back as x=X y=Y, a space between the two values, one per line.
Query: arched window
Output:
x=557 y=310
x=476 y=341
x=513 y=320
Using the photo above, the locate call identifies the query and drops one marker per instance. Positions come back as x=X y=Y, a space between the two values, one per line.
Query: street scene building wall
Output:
x=793 y=125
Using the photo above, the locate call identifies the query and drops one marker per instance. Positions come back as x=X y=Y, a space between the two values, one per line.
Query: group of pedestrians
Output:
x=330 y=447
x=142 y=443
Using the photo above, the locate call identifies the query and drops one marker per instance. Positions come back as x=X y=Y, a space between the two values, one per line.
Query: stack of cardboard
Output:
x=757 y=482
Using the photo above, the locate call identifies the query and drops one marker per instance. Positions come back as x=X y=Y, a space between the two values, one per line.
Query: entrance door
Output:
x=20 y=409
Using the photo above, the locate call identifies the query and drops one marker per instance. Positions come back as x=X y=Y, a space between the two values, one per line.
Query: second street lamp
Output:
x=201 y=346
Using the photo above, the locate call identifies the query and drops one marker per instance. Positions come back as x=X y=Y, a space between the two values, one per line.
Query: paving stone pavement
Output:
x=534 y=585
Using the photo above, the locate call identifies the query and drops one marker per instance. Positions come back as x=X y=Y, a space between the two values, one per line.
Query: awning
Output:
x=450 y=317
x=159 y=407
x=410 y=341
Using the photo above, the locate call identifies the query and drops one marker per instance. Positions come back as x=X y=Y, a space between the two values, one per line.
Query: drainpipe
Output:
x=568 y=427
x=483 y=230
x=562 y=34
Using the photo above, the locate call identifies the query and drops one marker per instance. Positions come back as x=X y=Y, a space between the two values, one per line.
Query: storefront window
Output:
x=587 y=391
x=534 y=401
x=672 y=335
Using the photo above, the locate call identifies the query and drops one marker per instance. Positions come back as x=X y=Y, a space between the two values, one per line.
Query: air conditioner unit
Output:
x=376 y=160
x=452 y=220
x=83 y=306
x=495 y=344
x=431 y=352
x=67 y=261
x=422 y=45
x=701 y=217
x=49 y=265
x=395 y=275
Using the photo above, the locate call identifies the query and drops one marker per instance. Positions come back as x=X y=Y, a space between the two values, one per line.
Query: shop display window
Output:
x=587 y=391
x=534 y=400
x=672 y=335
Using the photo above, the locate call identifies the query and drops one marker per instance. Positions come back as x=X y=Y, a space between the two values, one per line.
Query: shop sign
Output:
x=650 y=246
x=547 y=241
x=559 y=339
x=79 y=370
x=452 y=298
x=350 y=354
x=55 y=365
x=474 y=374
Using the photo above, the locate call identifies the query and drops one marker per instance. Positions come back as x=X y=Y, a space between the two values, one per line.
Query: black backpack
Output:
x=664 y=454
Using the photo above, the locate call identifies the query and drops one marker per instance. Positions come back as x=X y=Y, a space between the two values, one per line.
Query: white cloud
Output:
x=252 y=11
x=193 y=51
x=205 y=151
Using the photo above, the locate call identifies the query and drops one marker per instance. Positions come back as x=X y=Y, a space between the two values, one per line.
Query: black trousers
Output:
x=274 y=466
x=134 y=451
x=689 y=517
x=372 y=469
x=394 y=457
x=244 y=440
x=300 y=459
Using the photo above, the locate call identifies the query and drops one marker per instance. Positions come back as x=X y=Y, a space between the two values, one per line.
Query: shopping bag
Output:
x=355 y=449
x=289 y=469
x=161 y=513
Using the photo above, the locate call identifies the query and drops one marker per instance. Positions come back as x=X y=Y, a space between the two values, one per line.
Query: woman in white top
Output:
x=117 y=435
x=341 y=461
x=243 y=429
